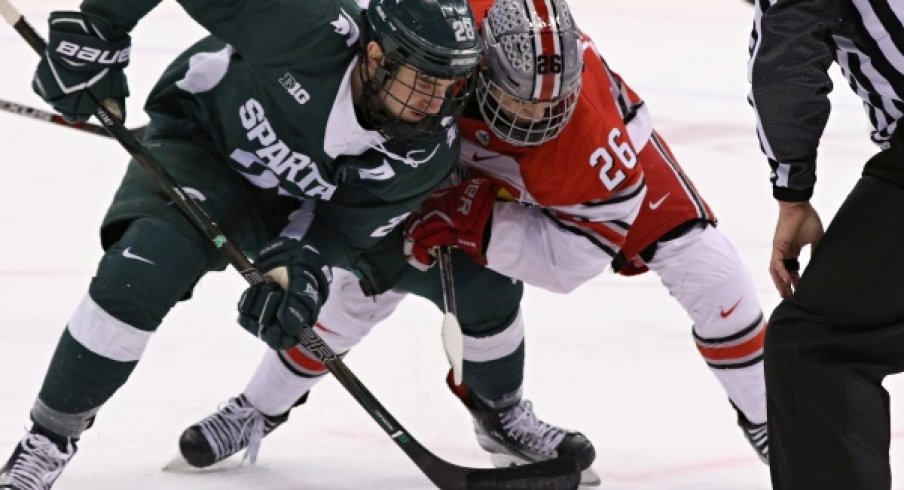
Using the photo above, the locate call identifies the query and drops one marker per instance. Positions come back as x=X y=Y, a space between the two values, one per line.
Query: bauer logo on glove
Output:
x=83 y=65
x=467 y=197
x=92 y=54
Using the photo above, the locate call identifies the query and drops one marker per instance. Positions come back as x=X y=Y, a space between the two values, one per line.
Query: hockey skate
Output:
x=516 y=436
x=235 y=426
x=757 y=435
x=36 y=463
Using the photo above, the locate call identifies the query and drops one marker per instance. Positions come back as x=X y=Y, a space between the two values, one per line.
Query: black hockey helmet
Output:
x=436 y=38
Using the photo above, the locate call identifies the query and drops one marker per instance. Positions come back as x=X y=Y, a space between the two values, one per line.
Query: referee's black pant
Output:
x=830 y=345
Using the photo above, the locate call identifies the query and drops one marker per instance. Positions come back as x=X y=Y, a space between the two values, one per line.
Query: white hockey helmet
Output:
x=529 y=85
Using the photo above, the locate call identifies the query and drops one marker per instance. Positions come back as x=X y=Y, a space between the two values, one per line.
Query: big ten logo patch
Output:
x=294 y=88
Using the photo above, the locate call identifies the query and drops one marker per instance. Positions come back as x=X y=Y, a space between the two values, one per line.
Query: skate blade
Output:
x=178 y=464
x=589 y=477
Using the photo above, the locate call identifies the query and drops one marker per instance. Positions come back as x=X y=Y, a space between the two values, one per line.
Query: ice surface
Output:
x=633 y=382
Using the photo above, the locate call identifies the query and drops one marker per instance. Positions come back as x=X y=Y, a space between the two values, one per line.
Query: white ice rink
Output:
x=615 y=359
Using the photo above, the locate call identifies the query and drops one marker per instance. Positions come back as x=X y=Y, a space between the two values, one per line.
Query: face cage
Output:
x=378 y=91
x=522 y=132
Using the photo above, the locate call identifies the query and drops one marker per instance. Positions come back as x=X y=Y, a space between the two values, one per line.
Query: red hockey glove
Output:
x=458 y=216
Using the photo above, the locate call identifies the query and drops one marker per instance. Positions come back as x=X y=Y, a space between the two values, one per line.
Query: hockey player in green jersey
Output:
x=494 y=350
x=342 y=118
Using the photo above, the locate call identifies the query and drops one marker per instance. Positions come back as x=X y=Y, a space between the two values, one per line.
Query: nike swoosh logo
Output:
x=192 y=193
x=383 y=172
x=728 y=312
x=129 y=255
x=654 y=205
x=480 y=158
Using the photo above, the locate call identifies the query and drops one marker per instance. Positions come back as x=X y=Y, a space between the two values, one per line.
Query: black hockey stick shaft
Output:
x=444 y=259
x=54 y=118
x=453 y=338
x=560 y=473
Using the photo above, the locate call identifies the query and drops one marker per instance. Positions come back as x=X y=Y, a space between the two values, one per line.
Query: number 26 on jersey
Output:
x=619 y=150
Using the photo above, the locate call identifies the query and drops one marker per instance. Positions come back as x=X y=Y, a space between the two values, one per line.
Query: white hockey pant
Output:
x=702 y=270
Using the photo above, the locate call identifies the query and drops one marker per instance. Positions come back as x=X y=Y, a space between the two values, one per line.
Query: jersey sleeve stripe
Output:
x=606 y=246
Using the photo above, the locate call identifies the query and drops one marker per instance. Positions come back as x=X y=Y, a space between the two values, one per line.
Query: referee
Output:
x=840 y=328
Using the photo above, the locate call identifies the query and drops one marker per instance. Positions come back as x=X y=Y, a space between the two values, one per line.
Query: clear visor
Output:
x=523 y=122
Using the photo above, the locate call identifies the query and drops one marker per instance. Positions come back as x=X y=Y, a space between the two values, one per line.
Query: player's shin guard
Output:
x=704 y=272
x=494 y=362
x=282 y=378
x=736 y=359
x=138 y=280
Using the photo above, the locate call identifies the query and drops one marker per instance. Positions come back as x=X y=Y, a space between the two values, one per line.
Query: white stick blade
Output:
x=454 y=345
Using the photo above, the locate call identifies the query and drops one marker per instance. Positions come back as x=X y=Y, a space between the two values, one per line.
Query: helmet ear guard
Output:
x=530 y=79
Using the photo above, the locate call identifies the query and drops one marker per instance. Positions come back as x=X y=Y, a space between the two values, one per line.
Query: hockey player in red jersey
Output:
x=554 y=143
x=519 y=144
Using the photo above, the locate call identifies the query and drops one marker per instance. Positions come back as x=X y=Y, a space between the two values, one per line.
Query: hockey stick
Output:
x=555 y=474
x=453 y=340
x=52 y=117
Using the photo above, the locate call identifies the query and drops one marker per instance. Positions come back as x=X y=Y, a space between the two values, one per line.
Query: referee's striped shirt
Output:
x=793 y=44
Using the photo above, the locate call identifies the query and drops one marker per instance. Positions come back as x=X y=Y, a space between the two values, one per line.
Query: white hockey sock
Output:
x=746 y=389
x=274 y=389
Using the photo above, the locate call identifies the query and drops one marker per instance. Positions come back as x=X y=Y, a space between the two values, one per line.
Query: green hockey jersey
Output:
x=271 y=88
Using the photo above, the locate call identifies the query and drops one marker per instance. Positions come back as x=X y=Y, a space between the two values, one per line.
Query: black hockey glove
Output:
x=84 y=52
x=277 y=311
